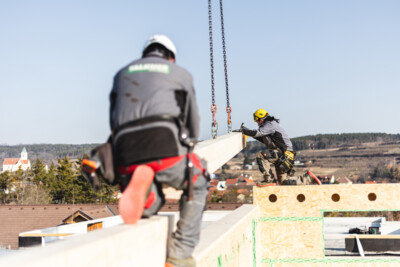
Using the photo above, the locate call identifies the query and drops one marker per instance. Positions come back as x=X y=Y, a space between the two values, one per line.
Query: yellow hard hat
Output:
x=260 y=114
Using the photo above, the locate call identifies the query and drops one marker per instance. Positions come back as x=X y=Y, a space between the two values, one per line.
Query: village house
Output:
x=13 y=164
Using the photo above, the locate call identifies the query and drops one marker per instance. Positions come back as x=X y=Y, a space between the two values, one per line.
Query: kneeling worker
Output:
x=280 y=154
x=155 y=121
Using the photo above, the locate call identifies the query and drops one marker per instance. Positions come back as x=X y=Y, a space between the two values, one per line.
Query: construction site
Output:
x=284 y=227
x=285 y=224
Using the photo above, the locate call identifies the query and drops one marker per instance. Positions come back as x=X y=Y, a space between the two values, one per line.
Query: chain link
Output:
x=214 y=124
x=228 y=106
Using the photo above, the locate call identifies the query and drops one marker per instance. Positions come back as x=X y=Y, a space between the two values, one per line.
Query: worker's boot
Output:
x=268 y=180
x=173 y=262
x=289 y=182
x=135 y=196
x=311 y=178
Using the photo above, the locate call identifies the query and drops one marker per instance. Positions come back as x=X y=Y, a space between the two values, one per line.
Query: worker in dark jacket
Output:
x=280 y=154
x=155 y=120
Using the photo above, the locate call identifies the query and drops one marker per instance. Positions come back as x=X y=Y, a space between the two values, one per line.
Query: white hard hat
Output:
x=162 y=40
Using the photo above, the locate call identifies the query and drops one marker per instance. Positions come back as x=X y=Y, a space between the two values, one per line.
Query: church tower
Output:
x=24 y=154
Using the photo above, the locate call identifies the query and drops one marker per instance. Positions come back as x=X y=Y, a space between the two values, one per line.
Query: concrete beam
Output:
x=142 y=244
x=216 y=152
x=228 y=241
x=219 y=151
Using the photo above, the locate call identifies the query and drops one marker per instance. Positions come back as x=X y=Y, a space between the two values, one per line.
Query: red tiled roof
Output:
x=212 y=189
x=214 y=182
x=231 y=181
x=243 y=191
x=21 y=218
x=24 y=161
x=10 y=161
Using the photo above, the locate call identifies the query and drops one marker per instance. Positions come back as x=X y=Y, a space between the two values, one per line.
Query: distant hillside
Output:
x=324 y=141
x=50 y=152
x=47 y=152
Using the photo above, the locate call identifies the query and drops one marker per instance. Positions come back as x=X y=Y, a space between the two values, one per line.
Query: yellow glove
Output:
x=289 y=155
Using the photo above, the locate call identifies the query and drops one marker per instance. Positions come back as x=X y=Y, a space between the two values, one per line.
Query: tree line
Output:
x=323 y=141
x=62 y=183
x=47 y=152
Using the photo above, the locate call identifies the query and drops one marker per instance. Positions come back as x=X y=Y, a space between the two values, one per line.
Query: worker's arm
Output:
x=265 y=130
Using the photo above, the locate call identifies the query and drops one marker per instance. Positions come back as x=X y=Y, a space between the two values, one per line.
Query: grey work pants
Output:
x=187 y=233
x=269 y=162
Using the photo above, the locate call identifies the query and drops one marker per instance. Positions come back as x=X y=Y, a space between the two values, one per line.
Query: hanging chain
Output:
x=214 y=124
x=228 y=106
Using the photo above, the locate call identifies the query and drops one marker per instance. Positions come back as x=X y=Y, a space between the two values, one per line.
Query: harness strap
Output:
x=162 y=164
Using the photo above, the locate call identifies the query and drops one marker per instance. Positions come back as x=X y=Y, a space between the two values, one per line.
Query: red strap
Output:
x=157 y=165
x=196 y=163
x=160 y=165
x=150 y=200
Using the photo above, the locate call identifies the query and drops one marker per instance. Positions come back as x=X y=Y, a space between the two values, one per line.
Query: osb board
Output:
x=325 y=197
x=339 y=263
x=290 y=239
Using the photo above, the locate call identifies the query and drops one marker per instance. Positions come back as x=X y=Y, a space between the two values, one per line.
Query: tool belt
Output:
x=286 y=162
x=104 y=156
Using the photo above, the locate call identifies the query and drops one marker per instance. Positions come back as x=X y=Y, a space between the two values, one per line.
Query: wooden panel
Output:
x=325 y=197
x=290 y=239
x=289 y=228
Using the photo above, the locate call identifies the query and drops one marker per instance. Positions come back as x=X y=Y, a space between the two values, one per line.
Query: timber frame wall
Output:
x=289 y=229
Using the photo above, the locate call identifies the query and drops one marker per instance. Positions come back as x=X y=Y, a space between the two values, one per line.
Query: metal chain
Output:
x=214 y=124
x=228 y=106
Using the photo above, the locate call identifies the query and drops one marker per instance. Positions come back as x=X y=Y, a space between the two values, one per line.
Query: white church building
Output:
x=13 y=164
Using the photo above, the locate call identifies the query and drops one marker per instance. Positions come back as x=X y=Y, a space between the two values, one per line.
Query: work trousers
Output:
x=268 y=161
x=187 y=234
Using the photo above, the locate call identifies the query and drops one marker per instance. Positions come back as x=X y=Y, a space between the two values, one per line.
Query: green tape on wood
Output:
x=290 y=219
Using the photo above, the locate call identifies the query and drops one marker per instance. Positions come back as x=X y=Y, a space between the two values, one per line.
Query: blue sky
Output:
x=319 y=66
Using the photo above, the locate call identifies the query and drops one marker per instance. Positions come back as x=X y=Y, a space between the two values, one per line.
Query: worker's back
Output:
x=151 y=87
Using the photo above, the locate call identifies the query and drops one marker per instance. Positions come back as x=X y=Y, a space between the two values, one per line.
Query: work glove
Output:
x=246 y=131
x=240 y=129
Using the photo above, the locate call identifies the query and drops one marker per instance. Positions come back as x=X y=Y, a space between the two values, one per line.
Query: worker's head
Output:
x=162 y=45
x=260 y=115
